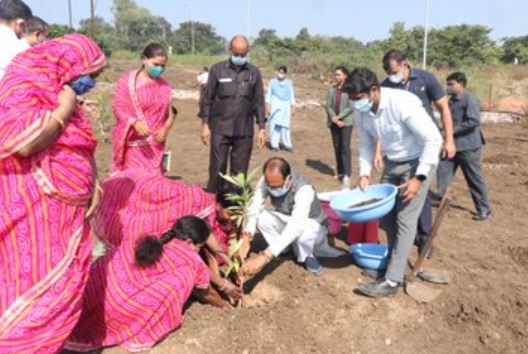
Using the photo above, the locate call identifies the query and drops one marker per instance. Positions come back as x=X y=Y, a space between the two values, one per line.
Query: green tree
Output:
x=59 y=30
x=206 y=40
x=515 y=47
x=104 y=33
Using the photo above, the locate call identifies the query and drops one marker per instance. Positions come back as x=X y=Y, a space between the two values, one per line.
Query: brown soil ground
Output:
x=484 y=309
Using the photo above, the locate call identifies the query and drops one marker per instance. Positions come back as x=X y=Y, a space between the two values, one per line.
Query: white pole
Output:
x=426 y=33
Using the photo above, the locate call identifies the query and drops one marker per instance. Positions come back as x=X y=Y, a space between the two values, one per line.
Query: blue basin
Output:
x=370 y=255
x=341 y=203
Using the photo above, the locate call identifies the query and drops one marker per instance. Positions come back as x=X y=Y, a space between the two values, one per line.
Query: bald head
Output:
x=276 y=170
x=239 y=45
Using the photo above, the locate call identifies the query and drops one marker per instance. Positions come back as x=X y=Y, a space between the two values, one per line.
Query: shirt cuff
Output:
x=424 y=169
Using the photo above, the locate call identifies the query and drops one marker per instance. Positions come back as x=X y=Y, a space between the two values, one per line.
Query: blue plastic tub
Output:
x=341 y=203
x=370 y=255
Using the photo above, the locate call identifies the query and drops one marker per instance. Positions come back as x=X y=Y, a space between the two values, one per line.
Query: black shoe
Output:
x=274 y=149
x=379 y=288
x=482 y=216
x=288 y=149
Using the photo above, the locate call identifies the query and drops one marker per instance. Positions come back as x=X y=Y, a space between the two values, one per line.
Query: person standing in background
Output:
x=280 y=106
x=340 y=121
x=202 y=84
x=235 y=95
x=13 y=17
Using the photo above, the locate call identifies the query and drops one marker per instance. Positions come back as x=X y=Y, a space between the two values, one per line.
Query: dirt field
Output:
x=483 y=310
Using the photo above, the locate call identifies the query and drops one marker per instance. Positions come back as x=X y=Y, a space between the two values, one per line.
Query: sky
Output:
x=365 y=20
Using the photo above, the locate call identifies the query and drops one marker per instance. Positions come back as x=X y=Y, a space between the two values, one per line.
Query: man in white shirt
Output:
x=411 y=143
x=295 y=218
x=13 y=17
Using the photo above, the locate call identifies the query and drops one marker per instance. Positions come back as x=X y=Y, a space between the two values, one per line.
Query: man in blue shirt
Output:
x=401 y=75
x=465 y=110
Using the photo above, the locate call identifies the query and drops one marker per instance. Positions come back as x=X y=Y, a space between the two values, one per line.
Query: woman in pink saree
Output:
x=47 y=192
x=132 y=307
x=141 y=105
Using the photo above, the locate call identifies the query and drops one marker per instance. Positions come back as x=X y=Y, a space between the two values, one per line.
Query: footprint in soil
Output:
x=519 y=255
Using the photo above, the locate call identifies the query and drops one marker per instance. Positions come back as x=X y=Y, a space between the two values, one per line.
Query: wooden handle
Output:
x=442 y=211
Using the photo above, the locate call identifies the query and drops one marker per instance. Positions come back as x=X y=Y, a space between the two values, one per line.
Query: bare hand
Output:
x=378 y=162
x=233 y=291
x=206 y=134
x=364 y=182
x=161 y=135
x=244 y=249
x=142 y=128
x=261 y=139
x=412 y=187
x=338 y=122
x=254 y=265
x=448 y=150
x=67 y=103
x=94 y=202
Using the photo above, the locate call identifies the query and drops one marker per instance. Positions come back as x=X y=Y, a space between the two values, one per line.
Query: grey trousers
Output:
x=470 y=163
x=400 y=224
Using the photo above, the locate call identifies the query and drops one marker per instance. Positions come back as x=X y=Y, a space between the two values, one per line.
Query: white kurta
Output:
x=10 y=46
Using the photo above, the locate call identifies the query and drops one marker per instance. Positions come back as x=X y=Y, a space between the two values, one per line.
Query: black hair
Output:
x=277 y=162
x=174 y=110
x=459 y=77
x=36 y=24
x=393 y=54
x=206 y=69
x=360 y=80
x=14 y=9
x=154 y=50
x=283 y=68
x=149 y=249
x=343 y=69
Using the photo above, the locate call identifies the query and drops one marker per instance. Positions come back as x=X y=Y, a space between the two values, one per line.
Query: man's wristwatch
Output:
x=421 y=178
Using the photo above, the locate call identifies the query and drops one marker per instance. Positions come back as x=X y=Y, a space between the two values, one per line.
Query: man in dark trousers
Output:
x=234 y=96
x=401 y=75
x=465 y=110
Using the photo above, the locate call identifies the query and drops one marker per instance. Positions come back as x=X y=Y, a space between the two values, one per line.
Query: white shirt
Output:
x=295 y=223
x=404 y=129
x=202 y=78
x=10 y=46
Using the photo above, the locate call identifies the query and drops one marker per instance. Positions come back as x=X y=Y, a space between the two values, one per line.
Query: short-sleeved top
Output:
x=423 y=84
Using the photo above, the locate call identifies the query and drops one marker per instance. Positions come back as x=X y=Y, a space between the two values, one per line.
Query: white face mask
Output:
x=396 y=78
x=280 y=191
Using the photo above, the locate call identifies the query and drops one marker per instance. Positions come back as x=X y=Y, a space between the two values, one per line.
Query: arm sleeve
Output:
x=295 y=226
x=415 y=117
x=329 y=109
x=268 y=94
x=256 y=206
x=367 y=148
x=122 y=106
x=346 y=112
x=259 y=102
x=202 y=274
x=210 y=92
x=471 y=117
x=433 y=88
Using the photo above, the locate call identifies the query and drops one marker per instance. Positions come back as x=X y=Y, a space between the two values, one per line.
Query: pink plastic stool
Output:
x=334 y=222
x=363 y=232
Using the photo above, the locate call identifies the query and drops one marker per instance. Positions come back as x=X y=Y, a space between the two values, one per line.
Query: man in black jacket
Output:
x=234 y=96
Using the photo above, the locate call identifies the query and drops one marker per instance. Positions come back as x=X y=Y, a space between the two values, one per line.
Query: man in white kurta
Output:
x=295 y=218
x=13 y=16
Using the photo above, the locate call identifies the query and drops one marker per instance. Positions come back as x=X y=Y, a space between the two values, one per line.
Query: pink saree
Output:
x=45 y=242
x=132 y=307
x=139 y=100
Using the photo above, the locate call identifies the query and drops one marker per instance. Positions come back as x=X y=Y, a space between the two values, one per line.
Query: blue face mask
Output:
x=280 y=191
x=363 y=105
x=82 y=84
x=239 y=60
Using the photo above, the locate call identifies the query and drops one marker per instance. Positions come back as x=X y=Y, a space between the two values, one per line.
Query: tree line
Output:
x=452 y=46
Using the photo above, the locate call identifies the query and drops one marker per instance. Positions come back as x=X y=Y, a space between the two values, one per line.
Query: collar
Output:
x=459 y=96
x=412 y=73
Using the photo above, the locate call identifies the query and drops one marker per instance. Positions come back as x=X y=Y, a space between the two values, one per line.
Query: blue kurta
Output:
x=281 y=97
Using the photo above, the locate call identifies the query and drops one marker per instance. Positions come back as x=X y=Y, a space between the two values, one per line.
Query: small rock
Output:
x=388 y=341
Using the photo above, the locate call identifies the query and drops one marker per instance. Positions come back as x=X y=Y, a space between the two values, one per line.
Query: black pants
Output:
x=341 y=138
x=236 y=150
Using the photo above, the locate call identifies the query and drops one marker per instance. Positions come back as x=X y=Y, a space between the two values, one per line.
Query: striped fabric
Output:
x=128 y=306
x=134 y=100
x=45 y=243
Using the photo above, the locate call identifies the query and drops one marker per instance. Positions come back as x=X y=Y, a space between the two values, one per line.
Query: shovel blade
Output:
x=421 y=292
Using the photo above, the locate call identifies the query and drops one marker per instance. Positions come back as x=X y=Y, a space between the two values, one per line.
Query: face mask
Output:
x=82 y=84
x=278 y=192
x=155 y=71
x=238 y=60
x=281 y=76
x=396 y=78
x=363 y=105
x=450 y=90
